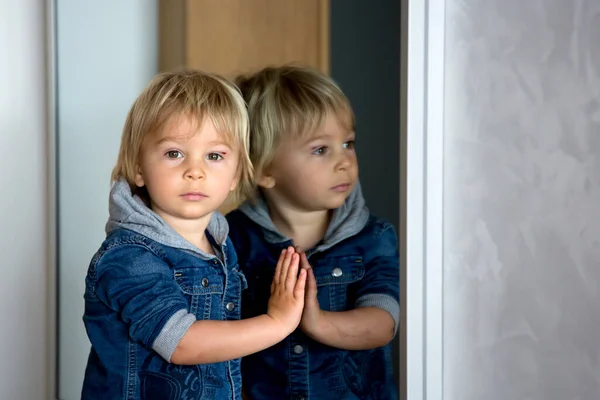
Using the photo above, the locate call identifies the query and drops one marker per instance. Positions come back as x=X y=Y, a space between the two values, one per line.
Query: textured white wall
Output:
x=107 y=53
x=23 y=199
x=522 y=200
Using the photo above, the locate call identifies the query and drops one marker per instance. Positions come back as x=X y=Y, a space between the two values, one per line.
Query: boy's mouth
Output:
x=344 y=187
x=194 y=196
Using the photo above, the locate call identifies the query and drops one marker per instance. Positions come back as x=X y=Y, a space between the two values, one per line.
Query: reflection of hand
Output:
x=287 y=291
x=312 y=314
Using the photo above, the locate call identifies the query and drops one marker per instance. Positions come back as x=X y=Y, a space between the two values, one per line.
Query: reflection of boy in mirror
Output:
x=164 y=288
x=302 y=148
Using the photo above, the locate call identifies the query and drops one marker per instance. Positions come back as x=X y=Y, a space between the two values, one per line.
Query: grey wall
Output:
x=365 y=61
x=107 y=53
x=522 y=200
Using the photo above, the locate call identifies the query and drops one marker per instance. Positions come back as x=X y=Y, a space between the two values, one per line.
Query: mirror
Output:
x=107 y=52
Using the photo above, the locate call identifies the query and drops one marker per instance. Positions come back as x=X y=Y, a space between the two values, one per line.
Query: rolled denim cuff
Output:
x=383 y=301
x=167 y=340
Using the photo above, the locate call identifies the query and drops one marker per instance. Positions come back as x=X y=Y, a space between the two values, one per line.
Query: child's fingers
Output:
x=276 y=277
x=292 y=275
x=300 y=285
x=285 y=265
x=313 y=280
x=304 y=261
x=311 y=283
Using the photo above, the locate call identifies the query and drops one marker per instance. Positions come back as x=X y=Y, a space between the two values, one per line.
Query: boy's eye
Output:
x=320 y=151
x=174 y=154
x=349 y=144
x=214 y=157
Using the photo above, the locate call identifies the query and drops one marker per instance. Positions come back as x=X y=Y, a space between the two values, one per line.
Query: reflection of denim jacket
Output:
x=356 y=265
x=145 y=287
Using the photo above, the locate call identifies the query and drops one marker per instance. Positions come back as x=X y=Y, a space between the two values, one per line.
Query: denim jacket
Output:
x=145 y=287
x=356 y=265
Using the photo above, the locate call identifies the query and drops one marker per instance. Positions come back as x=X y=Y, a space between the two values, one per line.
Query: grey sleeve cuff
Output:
x=383 y=301
x=167 y=340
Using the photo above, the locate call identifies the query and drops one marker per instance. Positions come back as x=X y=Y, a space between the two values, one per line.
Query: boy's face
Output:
x=187 y=169
x=314 y=173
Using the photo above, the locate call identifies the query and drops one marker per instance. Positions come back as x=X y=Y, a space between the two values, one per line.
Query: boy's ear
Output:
x=265 y=181
x=234 y=183
x=139 y=178
x=236 y=180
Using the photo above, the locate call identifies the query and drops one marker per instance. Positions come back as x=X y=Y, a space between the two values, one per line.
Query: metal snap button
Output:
x=230 y=306
x=205 y=282
x=298 y=349
x=337 y=272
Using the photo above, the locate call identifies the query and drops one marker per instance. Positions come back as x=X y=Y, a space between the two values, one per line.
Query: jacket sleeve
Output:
x=137 y=284
x=380 y=286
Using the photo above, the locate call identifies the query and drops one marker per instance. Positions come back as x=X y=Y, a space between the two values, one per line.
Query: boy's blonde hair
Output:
x=288 y=100
x=193 y=94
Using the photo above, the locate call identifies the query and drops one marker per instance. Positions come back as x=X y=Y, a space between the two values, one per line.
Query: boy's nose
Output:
x=344 y=162
x=195 y=172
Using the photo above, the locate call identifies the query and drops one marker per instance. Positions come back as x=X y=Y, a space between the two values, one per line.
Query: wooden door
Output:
x=236 y=36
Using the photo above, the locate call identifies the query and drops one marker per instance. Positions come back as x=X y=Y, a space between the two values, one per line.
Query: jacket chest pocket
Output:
x=335 y=276
x=203 y=288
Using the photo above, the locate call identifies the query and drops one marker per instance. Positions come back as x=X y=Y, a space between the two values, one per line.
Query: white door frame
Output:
x=52 y=224
x=423 y=33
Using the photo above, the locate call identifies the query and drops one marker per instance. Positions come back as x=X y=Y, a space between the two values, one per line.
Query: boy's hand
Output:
x=287 y=291
x=312 y=314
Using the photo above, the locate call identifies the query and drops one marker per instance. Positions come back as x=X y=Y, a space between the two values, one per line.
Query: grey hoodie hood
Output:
x=128 y=211
x=346 y=221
